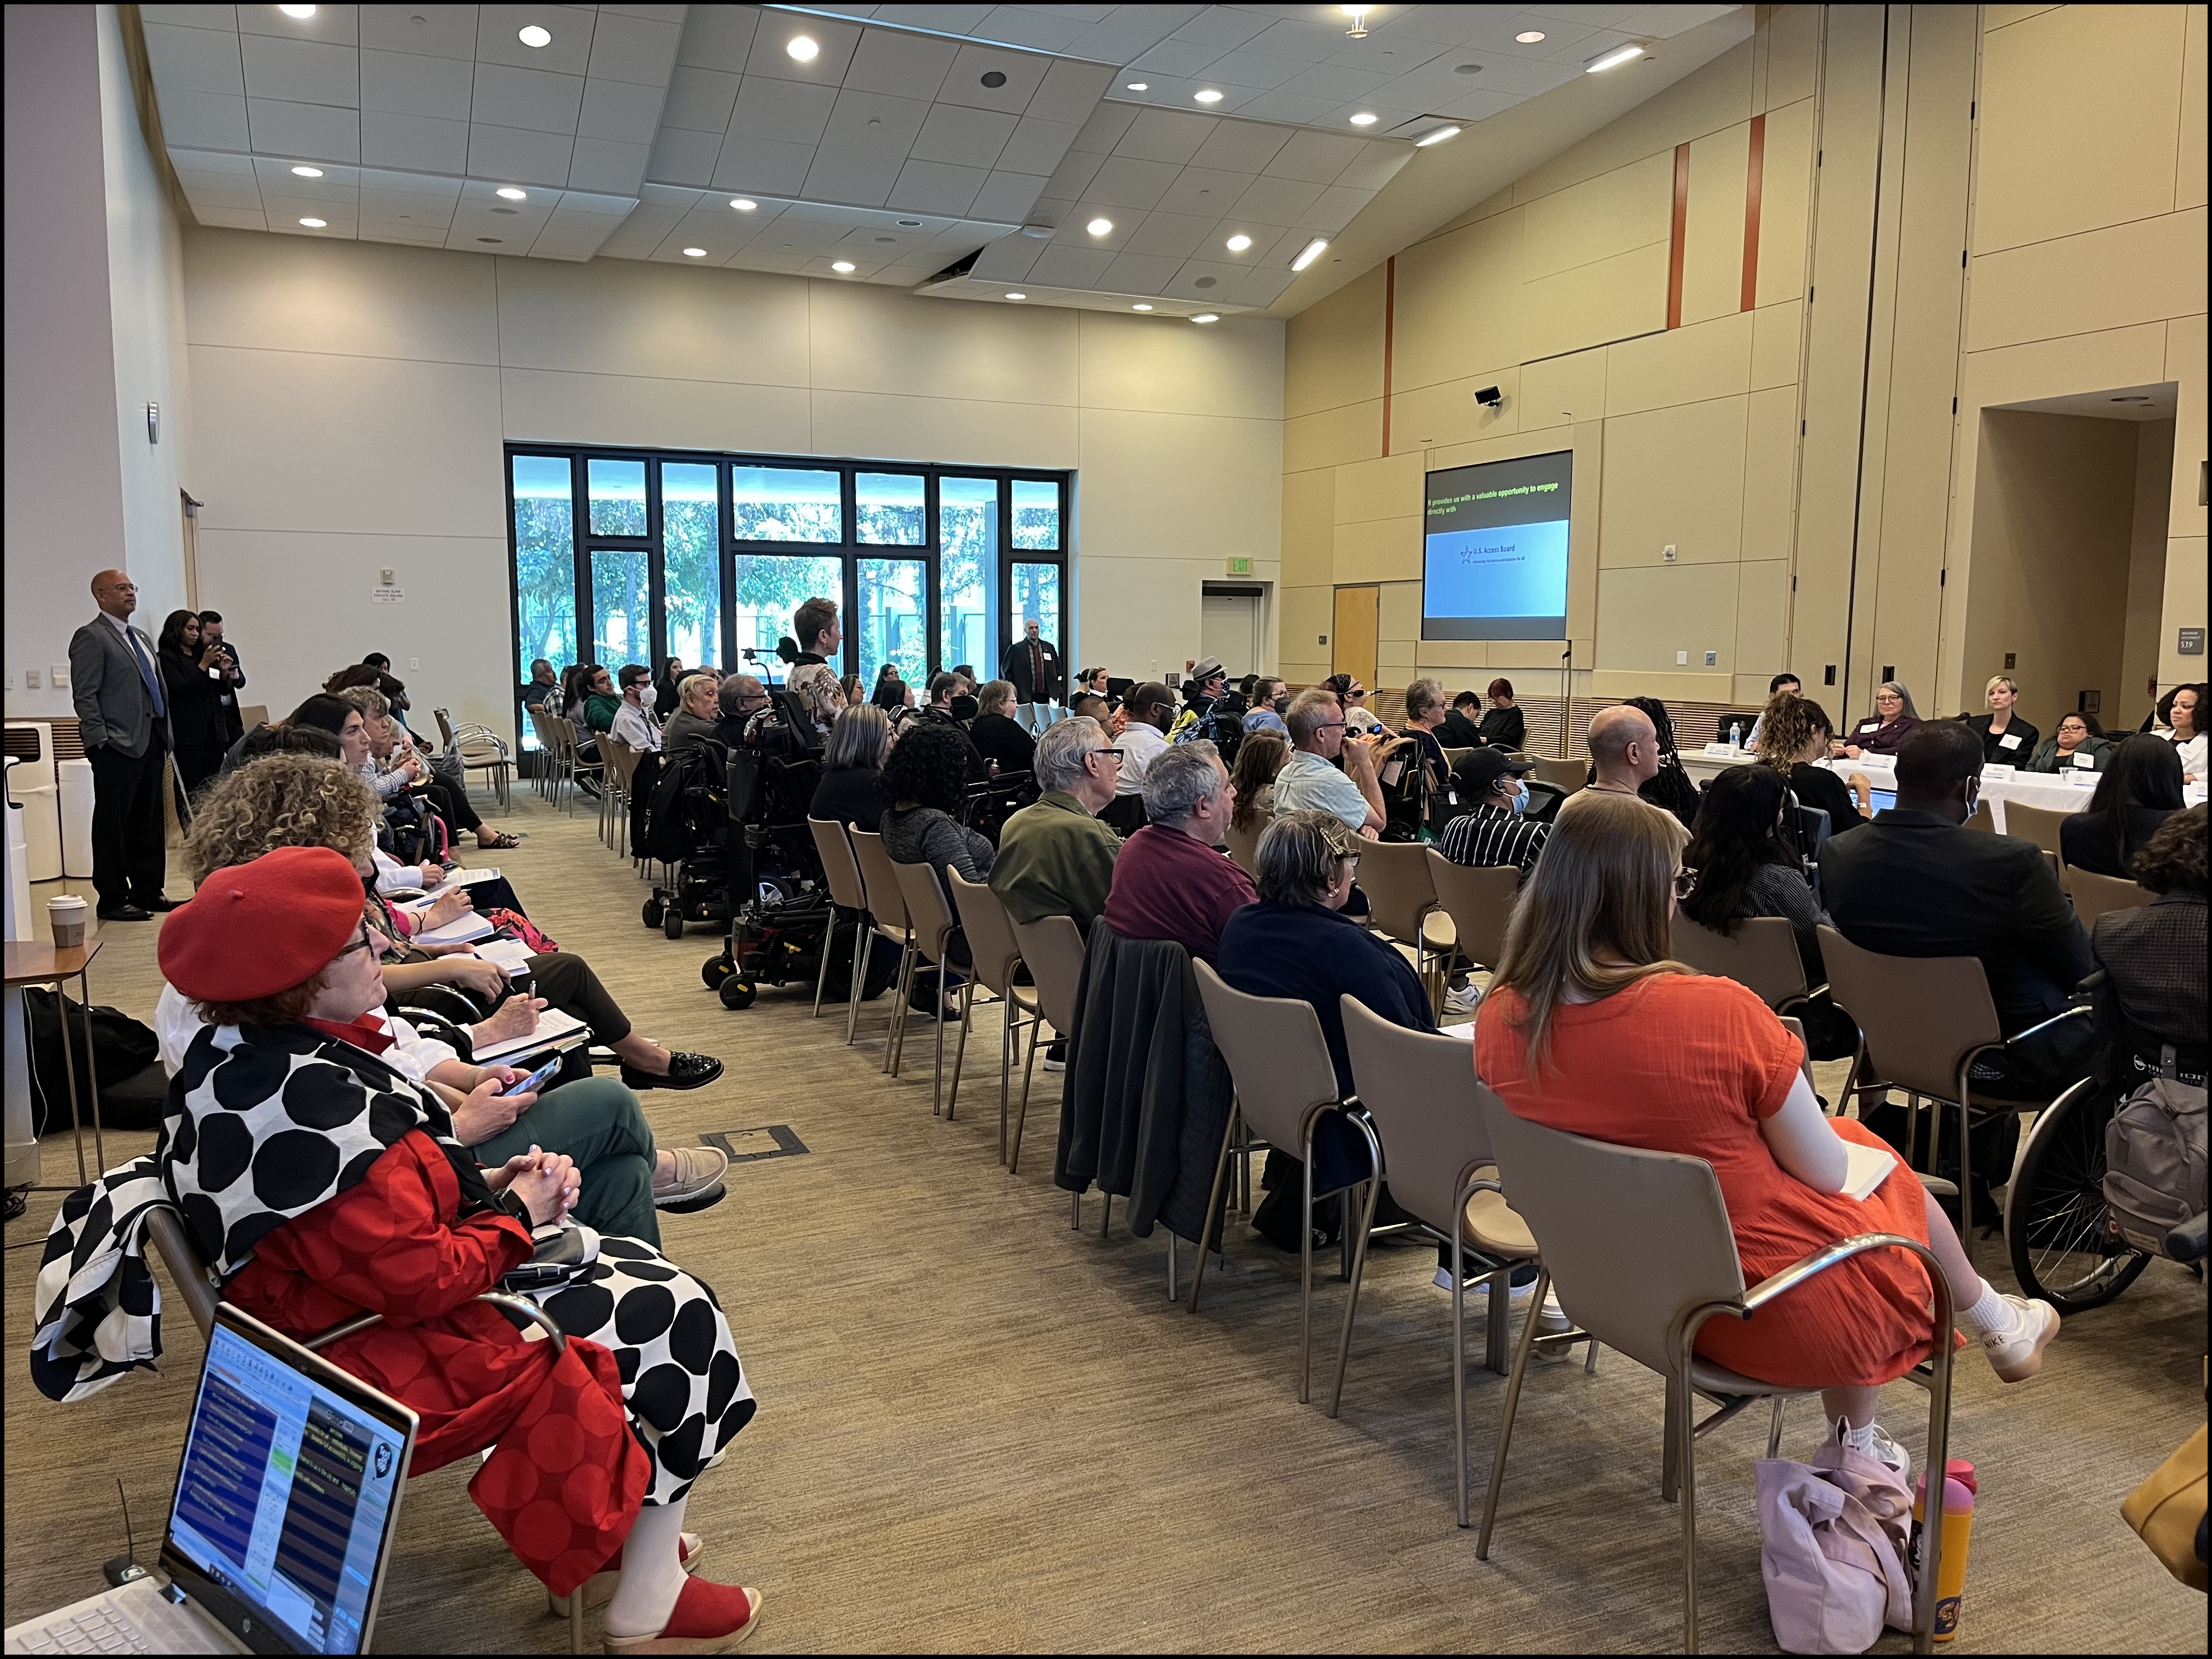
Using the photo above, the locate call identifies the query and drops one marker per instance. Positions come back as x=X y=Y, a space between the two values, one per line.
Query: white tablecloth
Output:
x=2053 y=792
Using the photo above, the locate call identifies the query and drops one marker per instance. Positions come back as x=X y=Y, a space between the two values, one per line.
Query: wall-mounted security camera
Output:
x=1489 y=397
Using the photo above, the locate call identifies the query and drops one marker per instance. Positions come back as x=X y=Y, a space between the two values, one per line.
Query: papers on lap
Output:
x=1865 y=1168
x=510 y=954
x=463 y=878
x=553 y=1026
x=460 y=930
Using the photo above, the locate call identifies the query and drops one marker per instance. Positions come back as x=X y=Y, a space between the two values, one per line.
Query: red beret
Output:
x=254 y=930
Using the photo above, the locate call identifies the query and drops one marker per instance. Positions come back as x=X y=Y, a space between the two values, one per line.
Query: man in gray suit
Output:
x=121 y=710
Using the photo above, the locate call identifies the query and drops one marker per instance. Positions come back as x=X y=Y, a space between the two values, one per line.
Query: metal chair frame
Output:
x=1002 y=967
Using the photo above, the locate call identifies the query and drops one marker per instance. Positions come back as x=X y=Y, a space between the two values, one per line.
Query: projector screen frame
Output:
x=1510 y=482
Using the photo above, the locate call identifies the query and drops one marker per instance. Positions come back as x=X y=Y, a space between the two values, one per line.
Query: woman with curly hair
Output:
x=1671 y=790
x=925 y=788
x=1794 y=733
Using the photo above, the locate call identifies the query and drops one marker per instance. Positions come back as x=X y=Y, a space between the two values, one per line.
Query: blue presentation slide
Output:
x=1506 y=570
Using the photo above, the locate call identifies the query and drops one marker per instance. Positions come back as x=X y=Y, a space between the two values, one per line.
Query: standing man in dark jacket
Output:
x=234 y=679
x=1033 y=664
x=124 y=720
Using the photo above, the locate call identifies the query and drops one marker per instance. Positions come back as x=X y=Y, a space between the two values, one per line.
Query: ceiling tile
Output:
x=1007 y=197
x=335 y=25
x=499 y=26
x=1317 y=157
x=684 y=158
x=1179 y=57
x=208 y=196
x=1165 y=135
x=1009 y=259
x=1037 y=146
x=1477 y=105
x=641 y=232
x=1277 y=201
x=1597 y=17
x=1141 y=273
x=530 y=99
x=1211 y=191
x=302 y=71
x=203 y=120
x=620 y=110
x=411 y=83
x=316 y=132
x=836 y=41
x=606 y=164
x=1313 y=43
x=904 y=65
x=1526 y=77
x=699 y=99
x=1253 y=69
x=1336 y=206
x=937 y=187
x=213 y=164
x=1201 y=279
x=633 y=48
x=1176 y=234
x=1223 y=27
x=416 y=143
x=1241 y=146
x=964 y=137
x=230 y=218
x=434 y=31
x=1264 y=287
x=1071 y=267
x=193 y=60
x=789 y=112
x=224 y=18
x=1289 y=106
x=1130 y=32
x=1376 y=165
x=1336 y=82
x=1037 y=28
x=718 y=38
x=524 y=157
x=654 y=14
x=869 y=136
x=1103 y=128
x=1125 y=182
x=762 y=165
x=947 y=20
x=1024 y=73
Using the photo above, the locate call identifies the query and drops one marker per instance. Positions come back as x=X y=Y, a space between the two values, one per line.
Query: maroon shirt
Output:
x=1168 y=885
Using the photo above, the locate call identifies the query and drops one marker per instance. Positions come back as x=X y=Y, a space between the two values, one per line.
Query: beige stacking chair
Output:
x=1759 y=952
x=1402 y=901
x=1478 y=901
x=1244 y=845
x=1581 y=1198
x=930 y=914
x=1571 y=774
x=887 y=915
x=997 y=955
x=843 y=872
x=2037 y=823
x=1052 y=949
x=2095 y=896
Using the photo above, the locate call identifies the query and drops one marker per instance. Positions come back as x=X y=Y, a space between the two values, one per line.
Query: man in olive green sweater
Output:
x=1055 y=858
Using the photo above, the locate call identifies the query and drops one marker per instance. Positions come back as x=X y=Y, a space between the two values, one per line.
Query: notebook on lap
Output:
x=282 y=1519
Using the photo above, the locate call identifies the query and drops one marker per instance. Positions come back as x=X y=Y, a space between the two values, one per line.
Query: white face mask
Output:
x=1520 y=802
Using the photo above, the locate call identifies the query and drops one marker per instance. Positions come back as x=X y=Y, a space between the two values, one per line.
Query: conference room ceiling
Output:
x=961 y=150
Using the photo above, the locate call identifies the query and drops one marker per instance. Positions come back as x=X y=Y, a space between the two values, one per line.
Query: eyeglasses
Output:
x=1330 y=726
x=1685 y=882
x=1115 y=753
x=364 y=943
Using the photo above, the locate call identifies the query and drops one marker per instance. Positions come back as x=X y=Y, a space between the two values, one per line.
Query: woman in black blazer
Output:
x=197 y=734
x=997 y=735
x=2141 y=790
x=2007 y=740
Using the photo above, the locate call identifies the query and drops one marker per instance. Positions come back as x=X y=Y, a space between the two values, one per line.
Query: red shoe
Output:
x=599 y=1588
x=709 y=1618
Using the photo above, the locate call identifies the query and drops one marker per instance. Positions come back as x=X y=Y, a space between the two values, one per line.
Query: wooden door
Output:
x=1354 y=637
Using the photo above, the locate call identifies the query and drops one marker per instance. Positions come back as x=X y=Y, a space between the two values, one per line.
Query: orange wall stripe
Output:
x=1389 y=338
x=1753 y=182
x=1681 y=235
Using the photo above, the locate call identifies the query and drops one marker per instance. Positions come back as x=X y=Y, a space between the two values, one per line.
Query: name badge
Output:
x=2011 y=740
x=1869 y=726
x=2085 y=760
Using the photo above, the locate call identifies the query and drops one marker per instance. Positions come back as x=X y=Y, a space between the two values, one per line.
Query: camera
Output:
x=1489 y=397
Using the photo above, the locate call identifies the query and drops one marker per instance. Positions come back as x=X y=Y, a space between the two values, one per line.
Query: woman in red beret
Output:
x=322 y=1184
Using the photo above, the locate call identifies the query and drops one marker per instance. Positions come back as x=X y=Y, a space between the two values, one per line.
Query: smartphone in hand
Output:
x=525 y=1085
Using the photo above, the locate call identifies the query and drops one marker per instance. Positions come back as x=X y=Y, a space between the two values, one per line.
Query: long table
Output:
x=2054 y=793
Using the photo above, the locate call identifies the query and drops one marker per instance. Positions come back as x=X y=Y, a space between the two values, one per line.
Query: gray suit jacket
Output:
x=111 y=704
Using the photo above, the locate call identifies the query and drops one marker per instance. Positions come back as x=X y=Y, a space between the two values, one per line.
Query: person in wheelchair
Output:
x=2153 y=956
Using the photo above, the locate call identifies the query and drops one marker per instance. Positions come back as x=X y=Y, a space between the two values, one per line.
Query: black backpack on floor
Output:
x=126 y=1056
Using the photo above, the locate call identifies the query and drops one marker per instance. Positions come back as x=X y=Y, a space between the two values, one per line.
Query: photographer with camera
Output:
x=233 y=677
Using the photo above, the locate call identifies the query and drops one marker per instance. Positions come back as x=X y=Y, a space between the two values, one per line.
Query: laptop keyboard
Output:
x=98 y=1629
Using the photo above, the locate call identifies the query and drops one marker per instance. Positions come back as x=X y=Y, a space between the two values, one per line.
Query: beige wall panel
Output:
x=2146 y=547
x=1308 y=526
x=1685 y=365
x=1717 y=96
x=350 y=299
x=1648 y=613
x=1512 y=447
x=1307 y=612
x=2132 y=273
x=546 y=406
x=2189 y=174
x=630 y=317
x=1762 y=622
x=1770 y=473
x=1334 y=349
x=1630 y=207
x=1233 y=367
x=287 y=419
x=1786 y=201
x=1793 y=54
x=1674 y=476
x=1148 y=608
x=1400 y=620
x=1451 y=661
x=1777 y=337
x=1333 y=437
x=1998 y=17
x=1387 y=489
x=1750 y=690
x=1459 y=304
x=1447 y=414
x=882 y=426
x=2067 y=364
x=1596 y=304
x=1501 y=203
x=2115 y=72
x=1680 y=686
x=1378 y=551
x=1555 y=392
x=2183 y=607
x=1712 y=239
x=2185 y=364
x=1176 y=486
x=867 y=338
x=1588 y=444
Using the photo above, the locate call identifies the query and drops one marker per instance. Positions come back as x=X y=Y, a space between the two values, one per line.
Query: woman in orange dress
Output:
x=1589 y=1028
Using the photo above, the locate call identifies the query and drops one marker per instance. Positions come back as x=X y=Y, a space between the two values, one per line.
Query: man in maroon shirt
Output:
x=1172 y=880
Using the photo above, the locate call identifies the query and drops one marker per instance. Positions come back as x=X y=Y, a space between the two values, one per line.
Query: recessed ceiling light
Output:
x=314 y=224
x=534 y=35
x=993 y=79
x=1311 y=252
x=1613 y=59
x=1529 y=37
x=1467 y=68
x=743 y=203
x=1207 y=95
x=911 y=224
x=493 y=240
x=1239 y=243
x=509 y=193
x=802 y=49
x=1140 y=306
x=1365 y=119
x=1018 y=296
x=510 y=212
x=843 y=267
x=1137 y=86
x=695 y=252
x=298 y=14
x=1436 y=138
x=1207 y=317
x=306 y=172
x=1100 y=227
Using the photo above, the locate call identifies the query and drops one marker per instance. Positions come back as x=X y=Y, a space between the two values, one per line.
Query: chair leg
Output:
x=1172 y=1242
x=960 y=1052
x=1686 y=1437
x=576 y=1619
x=863 y=946
x=1213 y=1201
x=1774 y=1428
x=1500 y=1324
x=1966 y=1162
x=1505 y=1426
x=1359 y=1265
x=1022 y=1116
x=822 y=973
x=1669 y=1452
x=897 y=1027
x=1459 y=1368
x=1009 y=1024
x=937 y=1076
x=1305 y=1270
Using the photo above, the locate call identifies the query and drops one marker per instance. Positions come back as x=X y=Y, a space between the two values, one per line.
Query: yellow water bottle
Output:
x=1958 y=1489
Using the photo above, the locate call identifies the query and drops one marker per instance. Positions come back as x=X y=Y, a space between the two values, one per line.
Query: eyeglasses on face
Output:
x=364 y=943
x=1685 y=882
x=1115 y=753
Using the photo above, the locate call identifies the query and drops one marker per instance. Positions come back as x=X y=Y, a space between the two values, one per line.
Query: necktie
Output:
x=146 y=673
x=1037 y=673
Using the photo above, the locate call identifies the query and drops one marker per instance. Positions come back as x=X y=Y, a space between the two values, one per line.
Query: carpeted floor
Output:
x=982 y=1431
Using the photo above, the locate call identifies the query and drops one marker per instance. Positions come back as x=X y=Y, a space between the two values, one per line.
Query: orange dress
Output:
x=1678 y=1063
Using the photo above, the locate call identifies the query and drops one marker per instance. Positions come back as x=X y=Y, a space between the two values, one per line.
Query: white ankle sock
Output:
x=1991 y=1315
x=1859 y=1440
x=652 y=1576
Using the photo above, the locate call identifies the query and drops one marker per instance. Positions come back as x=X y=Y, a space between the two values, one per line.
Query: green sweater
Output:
x=1055 y=860
x=599 y=711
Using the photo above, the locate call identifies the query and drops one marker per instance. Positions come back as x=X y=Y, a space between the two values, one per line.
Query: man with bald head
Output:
x=1623 y=748
x=125 y=721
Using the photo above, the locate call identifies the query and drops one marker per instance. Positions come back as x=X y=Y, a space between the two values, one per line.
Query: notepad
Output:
x=510 y=954
x=463 y=878
x=553 y=1026
x=1865 y=1168
x=460 y=930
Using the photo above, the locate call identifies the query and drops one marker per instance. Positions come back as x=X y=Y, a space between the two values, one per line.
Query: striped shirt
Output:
x=1489 y=840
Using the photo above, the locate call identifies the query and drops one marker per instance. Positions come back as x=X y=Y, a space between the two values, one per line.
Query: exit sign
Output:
x=1240 y=567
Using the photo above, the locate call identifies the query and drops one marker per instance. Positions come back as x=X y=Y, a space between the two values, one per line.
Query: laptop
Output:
x=283 y=1520
x=1883 y=799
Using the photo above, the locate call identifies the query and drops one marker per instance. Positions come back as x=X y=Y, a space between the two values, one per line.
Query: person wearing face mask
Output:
x=2007 y=740
x=1492 y=829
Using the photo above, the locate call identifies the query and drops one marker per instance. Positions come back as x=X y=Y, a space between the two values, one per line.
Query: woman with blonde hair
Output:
x=998 y=735
x=2007 y=740
x=1565 y=1037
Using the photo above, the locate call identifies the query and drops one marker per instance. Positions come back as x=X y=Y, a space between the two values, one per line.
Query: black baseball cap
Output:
x=1479 y=771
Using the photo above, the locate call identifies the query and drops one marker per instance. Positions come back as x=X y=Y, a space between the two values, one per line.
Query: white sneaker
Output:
x=1878 y=1446
x=1055 y=1057
x=1552 y=1318
x=2017 y=1354
x=1463 y=1000
x=1516 y=1294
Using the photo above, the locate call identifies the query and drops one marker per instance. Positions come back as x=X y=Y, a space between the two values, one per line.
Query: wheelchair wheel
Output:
x=672 y=923
x=2063 y=1249
x=652 y=909
x=714 y=970
x=738 y=991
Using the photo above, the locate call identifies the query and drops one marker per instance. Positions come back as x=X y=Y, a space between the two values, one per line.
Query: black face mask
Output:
x=964 y=709
x=1283 y=704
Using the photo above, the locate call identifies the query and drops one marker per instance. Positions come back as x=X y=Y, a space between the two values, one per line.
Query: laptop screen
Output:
x=284 y=1501
x=1884 y=799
